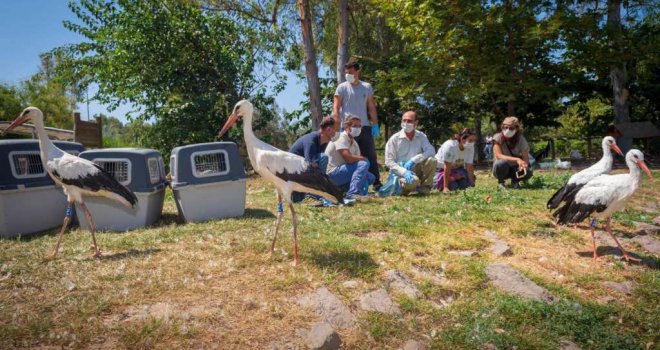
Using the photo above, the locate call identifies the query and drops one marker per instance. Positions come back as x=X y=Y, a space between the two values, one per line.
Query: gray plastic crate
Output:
x=30 y=201
x=143 y=172
x=208 y=181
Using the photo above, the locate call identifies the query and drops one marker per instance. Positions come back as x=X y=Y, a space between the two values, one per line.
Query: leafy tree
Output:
x=10 y=103
x=184 y=66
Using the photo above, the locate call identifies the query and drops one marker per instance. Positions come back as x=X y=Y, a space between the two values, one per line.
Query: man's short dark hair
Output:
x=352 y=64
x=327 y=121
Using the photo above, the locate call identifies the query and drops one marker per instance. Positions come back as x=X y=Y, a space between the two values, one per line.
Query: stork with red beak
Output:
x=603 y=196
x=78 y=177
x=578 y=180
x=287 y=171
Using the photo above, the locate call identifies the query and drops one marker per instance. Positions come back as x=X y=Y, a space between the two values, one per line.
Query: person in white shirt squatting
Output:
x=410 y=155
x=347 y=168
x=455 y=158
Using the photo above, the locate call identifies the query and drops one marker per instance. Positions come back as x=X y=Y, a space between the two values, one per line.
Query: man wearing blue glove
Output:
x=410 y=155
x=356 y=97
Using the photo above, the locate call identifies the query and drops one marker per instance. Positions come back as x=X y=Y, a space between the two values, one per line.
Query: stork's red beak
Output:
x=645 y=168
x=228 y=124
x=18 y=121
x=616 y=149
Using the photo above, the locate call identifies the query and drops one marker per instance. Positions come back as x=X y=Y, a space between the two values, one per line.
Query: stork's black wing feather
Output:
x=101 y=180
x=313 y=177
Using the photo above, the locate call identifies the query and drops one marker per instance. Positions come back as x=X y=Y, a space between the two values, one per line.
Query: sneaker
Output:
x=500 y=186
x=515 y=185
x=349 y=201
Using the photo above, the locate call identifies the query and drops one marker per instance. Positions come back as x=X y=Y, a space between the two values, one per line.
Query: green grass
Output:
x=223 y=289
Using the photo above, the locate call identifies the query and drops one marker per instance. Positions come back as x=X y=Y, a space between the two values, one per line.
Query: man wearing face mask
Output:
x=312 y=147
x=511 y=152
x=409 y=155
x=356 y=97
x=347 y=168
x=454 y=156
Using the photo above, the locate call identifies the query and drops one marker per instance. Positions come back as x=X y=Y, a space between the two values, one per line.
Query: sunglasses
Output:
x=509 y=128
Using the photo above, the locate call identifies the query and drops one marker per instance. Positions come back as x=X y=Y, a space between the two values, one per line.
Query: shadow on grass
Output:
x=353 y=263
x=258 y=214
x=131 y=253
x=167 y=219
x=649 y=262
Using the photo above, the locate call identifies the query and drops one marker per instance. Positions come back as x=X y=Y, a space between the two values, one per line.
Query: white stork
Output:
x=575 y=183
x=78 y=177
x=287 y=171
x=603 y=196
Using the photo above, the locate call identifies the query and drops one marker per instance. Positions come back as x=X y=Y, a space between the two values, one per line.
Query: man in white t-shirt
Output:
x=455 y=158
x=347 y=168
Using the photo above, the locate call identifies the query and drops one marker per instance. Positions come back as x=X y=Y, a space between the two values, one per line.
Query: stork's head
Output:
x=610 y=142
x=241 y=109
x=30 y=114
x=636 y=156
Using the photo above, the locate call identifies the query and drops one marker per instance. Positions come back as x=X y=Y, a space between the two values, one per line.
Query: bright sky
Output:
x=31 y=27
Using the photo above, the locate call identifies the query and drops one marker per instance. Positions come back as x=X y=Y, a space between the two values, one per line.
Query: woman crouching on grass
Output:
x=511 y=152
x=454 y=156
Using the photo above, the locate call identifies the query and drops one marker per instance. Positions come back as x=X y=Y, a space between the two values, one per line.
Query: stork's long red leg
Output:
x=67 y=219
x=92 y=229
x=592 y=226
x=295 y=235
x=280 y=213
x=625 y=255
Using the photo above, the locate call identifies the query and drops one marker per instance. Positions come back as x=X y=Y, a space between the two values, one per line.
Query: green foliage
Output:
x=585 y=118
x=185 y=67
x=10 y=103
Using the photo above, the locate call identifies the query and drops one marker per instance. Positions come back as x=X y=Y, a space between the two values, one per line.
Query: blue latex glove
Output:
x=409 y=165
x=375 y=130
x=409 y=177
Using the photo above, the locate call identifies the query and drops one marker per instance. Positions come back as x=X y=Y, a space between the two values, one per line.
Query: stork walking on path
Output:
x=287 y=171
x=78 y=177
x=603 y=196
x=578 y=180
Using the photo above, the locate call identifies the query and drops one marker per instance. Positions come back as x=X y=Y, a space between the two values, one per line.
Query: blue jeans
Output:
x=368 y=150
x=323 y=166
x=353 y=177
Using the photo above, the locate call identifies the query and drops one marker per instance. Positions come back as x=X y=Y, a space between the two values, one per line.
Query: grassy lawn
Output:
x=212 y=284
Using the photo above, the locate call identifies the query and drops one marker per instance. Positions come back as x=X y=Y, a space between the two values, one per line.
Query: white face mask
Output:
x=408 y=127
x=356 y=131
x=335 y=137
x=509 y=132
x=350 y=78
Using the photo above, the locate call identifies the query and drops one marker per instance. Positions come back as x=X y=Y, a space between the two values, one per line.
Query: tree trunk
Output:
x=478 y=145
x=342 y=39
x=510 y=109
x=311 y=69
x=618 y=73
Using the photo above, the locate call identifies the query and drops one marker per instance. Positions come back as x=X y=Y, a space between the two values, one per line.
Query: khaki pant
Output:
x=425 y=171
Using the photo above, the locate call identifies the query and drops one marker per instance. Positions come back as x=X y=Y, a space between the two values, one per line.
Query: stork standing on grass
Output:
x=287 y=171
x=603 y=196
x=78 y=177
x=578 y=180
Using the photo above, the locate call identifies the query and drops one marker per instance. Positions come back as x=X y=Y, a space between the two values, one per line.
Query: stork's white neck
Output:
x=607 y=159
x=635 y=174
x=47 y=149
x=249 y=137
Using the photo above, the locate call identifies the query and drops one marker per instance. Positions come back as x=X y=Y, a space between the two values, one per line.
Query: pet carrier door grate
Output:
x=120 y=169
x=210 y=163
x=27 y=165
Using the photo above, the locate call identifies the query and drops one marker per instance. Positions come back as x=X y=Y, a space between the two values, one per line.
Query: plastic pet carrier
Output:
x=143 y=172
x=208 y=181
x=30 y=201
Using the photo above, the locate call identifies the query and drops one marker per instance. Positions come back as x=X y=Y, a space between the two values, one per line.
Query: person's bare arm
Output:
x=348 y=157
x=371 y=109
x=525 y=158
x=336 y=102
x=497 y=150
